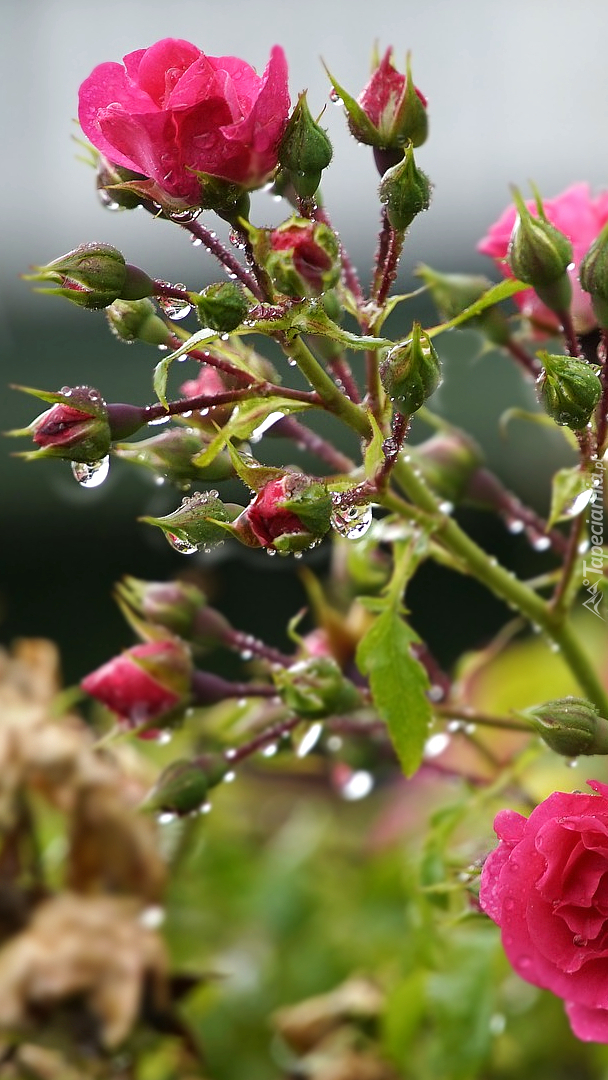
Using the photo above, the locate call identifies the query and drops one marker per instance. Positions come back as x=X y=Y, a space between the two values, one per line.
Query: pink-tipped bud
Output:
x=144 y=685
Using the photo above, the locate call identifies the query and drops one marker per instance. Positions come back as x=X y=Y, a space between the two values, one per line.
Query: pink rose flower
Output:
x=143 y=683
x=171 y=110
x=546 y=886
x=581 y=218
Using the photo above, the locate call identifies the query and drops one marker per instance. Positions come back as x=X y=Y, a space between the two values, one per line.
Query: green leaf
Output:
x=161 y=370
x=244 y=420
x=398 y=683
x=374 y=454
x=499 y=292
x=571 y=491
x=313 y=319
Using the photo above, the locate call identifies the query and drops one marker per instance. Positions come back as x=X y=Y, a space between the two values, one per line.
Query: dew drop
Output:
x=572 y=763
x=497 y=1024
x=270 y=750
x=229 y=777
x=183 y=546
x=246 y=654
x=515 y=525
x=540 y=543
x=436 y=693
x=334 y=743
x=359 y=784
x=436 y=745
x=271 y=419
x=335 y=97
x=107 y=200
x=91 y=475
x=351 y=522
x=166 y=818
x=173 y=308
x=196 y=241
x=310 y=740
x=160 y=420
x=163 y=738
x=446 y=507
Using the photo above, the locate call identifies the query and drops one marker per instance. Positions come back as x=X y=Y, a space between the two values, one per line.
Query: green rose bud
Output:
x=315 y=688
x=539 y=255
x=570 y=726
x=405 y=191
x=93 y=276
x=593 y=276
x=194 y=523
x=171 y=455
x=183 y=786
x=221 y=307
x=569 y=389
x=305 y=150
x=411 y=371
x=137 y=320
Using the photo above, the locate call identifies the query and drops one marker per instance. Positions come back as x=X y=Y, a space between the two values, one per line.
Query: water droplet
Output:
x=352 y=522
x=359 y=784
x=498 y=1023
x=166 y=818
x=205 y=808
x=436 y=693
x=186 y=215
x=159 y=421
x=107 y=200
x=230 y=754
x=334 y=743
x=152 y=917
x=310 y=740
x=246 y=654
x=572 y=763
x=436 y=745
x=335 y=97
x=446 y=507
x=229 y=777
x=196 y=241
x=270 y=750
x=580 y=941
x=271 y=419
x=163 y=738
x=183 y=546
x=515 y=525
x=454 y=726
x=173 y=308
x=91 y=475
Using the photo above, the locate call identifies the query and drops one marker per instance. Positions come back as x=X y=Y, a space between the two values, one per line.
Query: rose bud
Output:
x=315 y=687
x=93 y=276
x=183 y=786
x=177 y=606
x=411 y=371
x=197 y=522
x=305 y=150
x=221 y=307
x=453 y=293
x=569 y=389
x=171 y=455
x=146 y=684
x=290 y=513
x=137 y=320
x=389 y=113
x=171 y=112
x=539 y=255
x=303 y=258
x=405 y=191
x=570 y=726
x=593 y=276
x=76 y=428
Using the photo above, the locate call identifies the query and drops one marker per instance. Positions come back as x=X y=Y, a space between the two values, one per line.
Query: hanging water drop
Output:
x=170 y=306
x=436 y=744
x=515 y=525
x=540 y=543
x=270 y=750
x=107 y=200
x=352 y=522
x=91 y=475
x=310 y=740
x=196 y=241
x=183 y=546
x=335 y=97
x=159 y=420
x=359 y=784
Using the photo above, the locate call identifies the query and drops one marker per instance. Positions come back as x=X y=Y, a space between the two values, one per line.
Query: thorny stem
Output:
x=561 y=596
x=602 y=413
x=229 y=261
x=569 y=333
x=206 y=357
x=391 y=448
x=209 y=401
x=341 y=371
x=269 y=735
x=381 y=253
x=349 y=274
x=245 y=644
x=397 y=236
x=530 y=364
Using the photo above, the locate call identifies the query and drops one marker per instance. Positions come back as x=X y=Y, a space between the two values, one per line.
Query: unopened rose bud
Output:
x=146 y=684
x=453 y=293
x=76 y=428
x=593 y=276
x=411 y=371
x=305 y=150
x=171 y=455
x=405 y=191
x=290 y=513
x=303 y=258
x=316 y=687
x=447 y=462
x=570 y=726
x=137 y=320
x=195 y=523
x=221 y=306
x=177 y=606
x=183 y=786
x=539 y=255
x=569 y=389
x=93 y=276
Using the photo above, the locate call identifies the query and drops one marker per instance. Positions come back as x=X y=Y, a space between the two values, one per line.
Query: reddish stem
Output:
x=269 y=735
x=349 y=274
x=309 y=440
x=229 y=261
x=571 y=339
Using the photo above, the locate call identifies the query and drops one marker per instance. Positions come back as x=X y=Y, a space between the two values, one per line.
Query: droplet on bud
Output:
x=173 y=308
x=183 y=546
x=352 y=522
x=91 y=475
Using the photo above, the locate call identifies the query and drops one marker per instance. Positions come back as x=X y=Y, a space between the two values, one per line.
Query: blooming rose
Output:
x=546 y=885
x=581 y=218
x=171 y=110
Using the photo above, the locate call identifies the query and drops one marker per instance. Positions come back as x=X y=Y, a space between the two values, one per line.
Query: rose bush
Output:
x=580 y=217
x=546 y=886
x=172 y=111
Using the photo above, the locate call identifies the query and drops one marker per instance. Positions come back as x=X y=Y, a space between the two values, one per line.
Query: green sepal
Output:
x=568 y=491
x=366 y=131
x=315 y=688
x=197 y=521
x=252 y=472
x=161 y=371
x=313 y=506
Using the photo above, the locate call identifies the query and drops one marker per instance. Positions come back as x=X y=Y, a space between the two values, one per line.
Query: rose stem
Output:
x=349 y=274
x=227 y=259
x=571 y=339
x=309 y=440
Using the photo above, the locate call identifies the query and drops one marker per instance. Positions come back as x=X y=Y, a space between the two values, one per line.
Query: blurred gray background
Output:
x=516 y=91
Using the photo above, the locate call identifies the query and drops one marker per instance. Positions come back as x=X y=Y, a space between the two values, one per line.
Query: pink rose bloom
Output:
x=546 y=885
x=581 y=218
x=171 y=110
x=144 y=682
